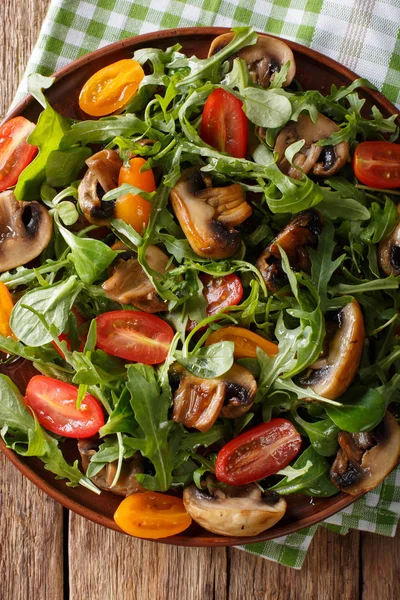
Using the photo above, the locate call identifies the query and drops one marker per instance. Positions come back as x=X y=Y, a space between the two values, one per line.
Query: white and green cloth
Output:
x=364 y=35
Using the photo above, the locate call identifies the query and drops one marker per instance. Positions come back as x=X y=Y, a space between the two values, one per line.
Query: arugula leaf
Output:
x=210 y=361
x=47 y=135
x=323 y=434
x=313 y=482
x=266 y=108
x=383 y=221
x=122 y=419
x=54 y=301
x=63 y=166
x=150 y=408
x=362 y=409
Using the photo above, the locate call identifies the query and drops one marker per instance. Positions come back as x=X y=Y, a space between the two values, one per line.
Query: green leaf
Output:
x=210 y=361
x=266 y=108
x=383 y=221
x=13 y=412
x=151 y=412
x=47 y=135
x=323 y=434
x=63 y=166
x=314 y=482
x=121 y=419
x=90 y=257
x=67 y=213
x=54 y=302
x=362 y=409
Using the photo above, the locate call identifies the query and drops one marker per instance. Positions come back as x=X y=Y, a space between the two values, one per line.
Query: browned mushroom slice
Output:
x=101 y=177
x=198 y=402
x=208 y=215
x=25 y=231
x=127 y=483
x=331 y=375
x=302 y=232
x=323 y=161
x=264 y=59
x=238 y=511
x=365 y=459
x=389 y=253
x=129 y=284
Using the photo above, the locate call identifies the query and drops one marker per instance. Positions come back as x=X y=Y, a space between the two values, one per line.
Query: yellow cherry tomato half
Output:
x=6 y=306
x=246 y=342
x=111 y=88
x=132 y=208
x=152 y=515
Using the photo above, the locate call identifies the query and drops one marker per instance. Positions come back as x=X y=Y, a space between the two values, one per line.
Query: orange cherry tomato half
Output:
x=15 y=152
x=258 y=453
x=135 y=336
x=246 y=342
x=377 y=164
x=6 y=306
x=132 y=208
x=224 y=124
x=54 y=404
x=152 y=515
x=111 y=88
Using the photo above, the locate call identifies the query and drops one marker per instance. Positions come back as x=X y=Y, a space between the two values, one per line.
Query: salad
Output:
x=204 y=273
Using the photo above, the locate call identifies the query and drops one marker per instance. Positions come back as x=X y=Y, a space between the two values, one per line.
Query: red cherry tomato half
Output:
x=54 y=404
x=258 y=453
x=224 y=124
x=15 y=152
x=221 y=292
x=377 y=164
x=134 y=335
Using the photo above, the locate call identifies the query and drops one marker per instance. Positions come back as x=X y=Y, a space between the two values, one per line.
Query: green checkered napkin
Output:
x=364 y=35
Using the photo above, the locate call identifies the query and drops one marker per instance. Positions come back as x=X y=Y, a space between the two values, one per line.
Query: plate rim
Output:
x=343 y=500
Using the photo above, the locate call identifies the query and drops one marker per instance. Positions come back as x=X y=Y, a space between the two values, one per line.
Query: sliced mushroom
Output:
x=198 y=402
x=129 y=284
x=25 y=231
x=365 y=459
x=264 y=59
x=389 y=253
x=127 y=483
x=101 y=177
x=331 y=375
x=323 y=161
x=300 y=233
x=208 y=215
x=239 y=511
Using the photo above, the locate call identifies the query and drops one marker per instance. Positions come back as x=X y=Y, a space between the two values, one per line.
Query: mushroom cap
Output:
x=308 y=157
x=129 y=284
x=127 y=483
x=25 y=231
x=301 y=232
x=101 y=176
x=333 y=374
x=364 y=460
x=264 y=58
x=199 y=402
x=389 y=252
x=244 y=512
x=208 y=215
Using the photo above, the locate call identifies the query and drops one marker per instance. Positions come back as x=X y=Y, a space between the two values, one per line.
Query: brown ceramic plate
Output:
x=314 y=71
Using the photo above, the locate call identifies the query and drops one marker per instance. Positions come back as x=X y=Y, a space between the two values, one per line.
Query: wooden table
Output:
x=48 y=553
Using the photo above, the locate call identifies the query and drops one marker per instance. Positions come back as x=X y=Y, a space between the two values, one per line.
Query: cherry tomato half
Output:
x=6 y=306
x=221 y=292
x=134 y=335
x=258 y=453
x=246 y=342
x=111 y=88
x=152 y=515
x=224 y=124
x=132 y=208
x=377 y=164
x=54 y=404
x=15 y=152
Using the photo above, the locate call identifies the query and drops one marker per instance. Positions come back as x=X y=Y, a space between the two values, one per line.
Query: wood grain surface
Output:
x=47 y=553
